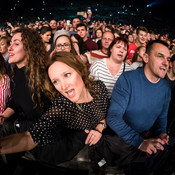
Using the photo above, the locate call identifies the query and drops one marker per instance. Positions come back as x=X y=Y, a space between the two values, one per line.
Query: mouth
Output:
x=70 y=93
x=120 y=56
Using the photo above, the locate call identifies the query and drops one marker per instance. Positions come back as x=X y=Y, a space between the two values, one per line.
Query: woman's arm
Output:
x=6 y=114
x=17 y=143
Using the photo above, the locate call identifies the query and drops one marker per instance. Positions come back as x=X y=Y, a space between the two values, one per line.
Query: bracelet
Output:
x=98 y=131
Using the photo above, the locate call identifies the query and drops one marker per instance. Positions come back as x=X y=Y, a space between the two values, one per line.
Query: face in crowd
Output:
x=107 y=39
x=157 y=62
x=17 y=54
x=63 y=44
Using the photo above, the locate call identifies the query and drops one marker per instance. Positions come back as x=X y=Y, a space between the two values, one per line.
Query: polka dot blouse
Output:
x=65 y=113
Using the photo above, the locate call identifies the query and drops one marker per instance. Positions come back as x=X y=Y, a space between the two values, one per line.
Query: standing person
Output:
x=80 y=104
x=134 y=93
x=91 y=56
x=4 y=85
x=82 y=31
x=75 y=21
x=140 y=41
x=109 y=69
x=45 y=33
x=53 y=25
x=29 y=62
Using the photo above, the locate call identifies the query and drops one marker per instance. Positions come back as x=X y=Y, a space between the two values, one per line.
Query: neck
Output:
x=104 y=50
x=152 y=78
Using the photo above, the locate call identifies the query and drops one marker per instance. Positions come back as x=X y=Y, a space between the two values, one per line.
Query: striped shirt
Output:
x=4 y=92
x=91 y=56
x=101 y=72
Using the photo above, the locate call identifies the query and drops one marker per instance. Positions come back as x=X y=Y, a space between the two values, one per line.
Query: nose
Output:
x=64 y=85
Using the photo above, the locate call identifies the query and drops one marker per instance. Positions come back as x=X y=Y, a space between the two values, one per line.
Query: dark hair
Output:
x=45 y=29
x=81 y=25
x=134 y=59
x=141 y=28
x=151 y=43
x=82 y=46
x=172 y=58
x=117 y=40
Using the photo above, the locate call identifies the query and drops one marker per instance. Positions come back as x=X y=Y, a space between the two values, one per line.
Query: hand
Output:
x=151 y=145
x=128 y=62
x=164 y=137
x=2 y=119
x=76 y=47
x=93 y=137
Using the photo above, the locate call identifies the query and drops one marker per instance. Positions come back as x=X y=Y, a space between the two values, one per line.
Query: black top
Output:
x=21 y=100
x=65 y=113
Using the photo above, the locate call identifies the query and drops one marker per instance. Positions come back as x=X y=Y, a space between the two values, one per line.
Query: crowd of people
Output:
x=66 y=85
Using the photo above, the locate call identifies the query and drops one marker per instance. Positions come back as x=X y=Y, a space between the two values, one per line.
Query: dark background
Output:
x=158 y=16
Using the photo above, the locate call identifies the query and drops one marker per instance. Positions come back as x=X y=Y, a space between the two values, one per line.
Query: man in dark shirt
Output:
x=82 y=31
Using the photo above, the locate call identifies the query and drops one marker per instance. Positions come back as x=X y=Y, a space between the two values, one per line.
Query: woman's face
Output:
x=46 y=37
x=17 y=54
x=141 y=53
x=99 y=33
x=118 y=52
x=67 y=81
x=62 y=44
x=3 y=47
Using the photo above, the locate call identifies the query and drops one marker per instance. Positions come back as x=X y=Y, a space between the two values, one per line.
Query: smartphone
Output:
x=89 y=10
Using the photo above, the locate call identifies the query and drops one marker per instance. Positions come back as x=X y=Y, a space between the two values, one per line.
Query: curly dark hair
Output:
x=37 y=58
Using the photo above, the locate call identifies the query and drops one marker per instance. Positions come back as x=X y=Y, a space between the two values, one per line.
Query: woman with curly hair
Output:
x=28 y=57
x=79 y=104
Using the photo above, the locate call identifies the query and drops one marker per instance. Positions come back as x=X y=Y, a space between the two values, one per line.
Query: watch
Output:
x=103 y=124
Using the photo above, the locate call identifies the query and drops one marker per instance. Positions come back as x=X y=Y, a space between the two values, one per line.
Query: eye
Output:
x=67 y=75
x=55 y=82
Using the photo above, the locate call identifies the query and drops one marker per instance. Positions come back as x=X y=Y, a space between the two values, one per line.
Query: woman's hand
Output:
x=2 y=118
x=93 y=137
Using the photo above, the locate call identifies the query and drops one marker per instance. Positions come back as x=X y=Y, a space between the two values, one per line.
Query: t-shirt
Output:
x=131 y=51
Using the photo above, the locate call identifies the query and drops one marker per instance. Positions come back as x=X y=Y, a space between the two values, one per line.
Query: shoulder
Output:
x=97 y=85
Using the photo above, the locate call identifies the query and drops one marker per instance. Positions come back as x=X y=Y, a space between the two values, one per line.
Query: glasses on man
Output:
x=65 y=45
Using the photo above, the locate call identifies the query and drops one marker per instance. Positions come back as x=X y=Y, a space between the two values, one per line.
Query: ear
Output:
x=145 y=58
x=171 y=64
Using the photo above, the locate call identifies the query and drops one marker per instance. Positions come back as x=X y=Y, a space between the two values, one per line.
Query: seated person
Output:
x=80 y=104
x=139 y=105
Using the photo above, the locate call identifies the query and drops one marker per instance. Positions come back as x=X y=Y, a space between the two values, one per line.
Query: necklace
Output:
x=79 y=107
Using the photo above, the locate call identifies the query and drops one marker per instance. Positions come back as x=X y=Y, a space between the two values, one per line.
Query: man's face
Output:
x=142 y=37
x=53 y=24
x=75 y=21
x=157 y=62
x=107 y=39
x=82 y=32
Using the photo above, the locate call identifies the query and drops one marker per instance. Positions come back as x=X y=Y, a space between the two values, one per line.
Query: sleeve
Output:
x=94 y=70
x=119 y=102
x=161 y=122
x=43 y=130
x=4 y=92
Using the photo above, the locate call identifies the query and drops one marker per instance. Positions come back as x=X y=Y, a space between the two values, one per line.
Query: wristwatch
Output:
x=103 y=124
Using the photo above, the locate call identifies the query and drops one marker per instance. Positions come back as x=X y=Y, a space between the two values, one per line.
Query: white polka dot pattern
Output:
x=65 y=113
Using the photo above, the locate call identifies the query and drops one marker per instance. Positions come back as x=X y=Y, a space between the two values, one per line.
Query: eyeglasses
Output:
x=107 y=39
x=65 y=45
